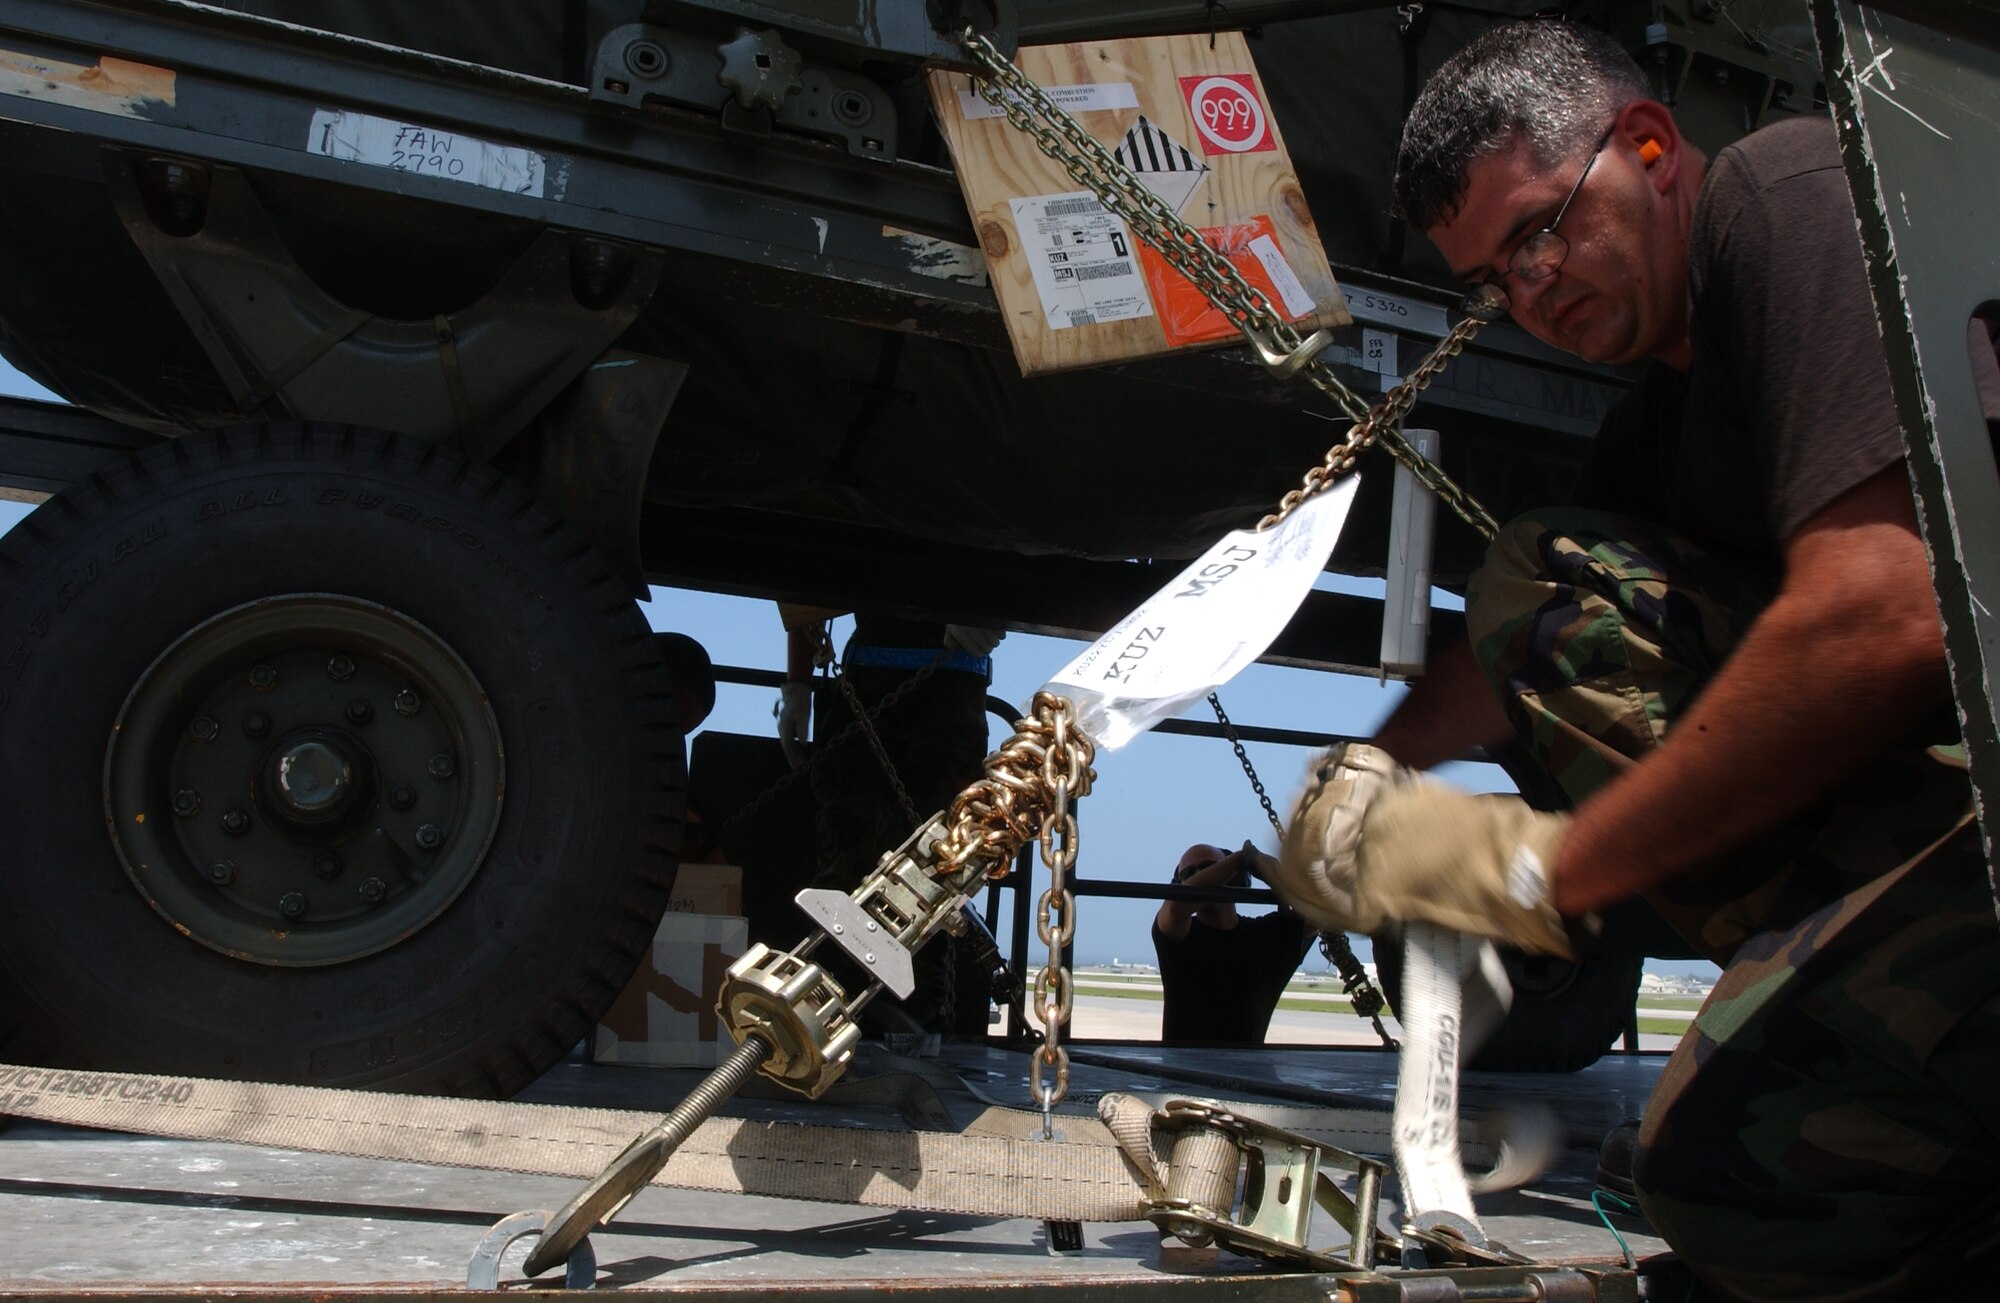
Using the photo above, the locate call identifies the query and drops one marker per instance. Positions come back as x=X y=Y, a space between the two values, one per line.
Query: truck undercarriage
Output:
x=684 y=341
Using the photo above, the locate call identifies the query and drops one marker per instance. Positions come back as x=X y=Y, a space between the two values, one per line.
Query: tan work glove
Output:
x=1316 y=865
x=1474 y=864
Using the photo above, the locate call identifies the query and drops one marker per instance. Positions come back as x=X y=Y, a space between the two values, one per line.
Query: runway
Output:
x=1104 y=1017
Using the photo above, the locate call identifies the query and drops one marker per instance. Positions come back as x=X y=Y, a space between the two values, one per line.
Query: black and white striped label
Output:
x=1168 y=168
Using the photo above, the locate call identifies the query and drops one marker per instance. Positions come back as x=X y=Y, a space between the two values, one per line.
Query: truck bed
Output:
x=92 y=1212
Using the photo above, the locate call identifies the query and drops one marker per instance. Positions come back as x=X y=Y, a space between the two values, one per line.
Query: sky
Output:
x=1152 y=798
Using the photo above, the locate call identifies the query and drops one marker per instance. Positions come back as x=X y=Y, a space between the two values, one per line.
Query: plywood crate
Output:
x=1190 y=117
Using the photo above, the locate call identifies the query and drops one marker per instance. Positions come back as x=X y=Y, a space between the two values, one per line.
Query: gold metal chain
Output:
x=1026 y=795
x=1063 y=139
x=1032 y=780
x=1055 y=924
x=1382 y=425
x=991 y=820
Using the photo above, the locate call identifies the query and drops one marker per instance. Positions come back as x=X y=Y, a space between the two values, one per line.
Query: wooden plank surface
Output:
x=1074 y=285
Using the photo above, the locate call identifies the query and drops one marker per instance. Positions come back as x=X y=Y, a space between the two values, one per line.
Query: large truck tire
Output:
x=1566 y=1012
x=327 y=757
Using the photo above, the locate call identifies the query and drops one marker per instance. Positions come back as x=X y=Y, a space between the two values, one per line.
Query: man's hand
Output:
x=972 y=638
x=1315 y=872
x=793 y=712
x=1475 y=864
x=1202 y=865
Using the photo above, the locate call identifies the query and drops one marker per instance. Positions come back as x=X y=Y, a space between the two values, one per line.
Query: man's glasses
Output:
x=1536 y=258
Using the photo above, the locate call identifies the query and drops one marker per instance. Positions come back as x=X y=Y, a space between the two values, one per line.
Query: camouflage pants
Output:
x=1829 y=1128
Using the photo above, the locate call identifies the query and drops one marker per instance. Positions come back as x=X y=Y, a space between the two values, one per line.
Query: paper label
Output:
x=424 y=151
x=1187 y=316
x=1077 y=99
x=1080 y=256
x=1290 y=289
x=1378 y=309
x=1378 y=352
x=1216 y=617
x=1228 y=114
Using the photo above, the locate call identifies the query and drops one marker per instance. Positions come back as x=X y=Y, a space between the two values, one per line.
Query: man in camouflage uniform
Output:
x=1732 y=663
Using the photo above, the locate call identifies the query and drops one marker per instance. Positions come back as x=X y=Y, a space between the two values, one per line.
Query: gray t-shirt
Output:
x=1786 y=404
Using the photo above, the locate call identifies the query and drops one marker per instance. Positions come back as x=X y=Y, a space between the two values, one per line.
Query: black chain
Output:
x=1362 y=993
x=862 y=720
x=1249 y=770
x=1354 y=981
x=881 y=752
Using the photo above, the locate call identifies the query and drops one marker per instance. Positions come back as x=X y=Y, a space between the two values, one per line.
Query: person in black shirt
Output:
x=1222 y=973
x=1728 y=654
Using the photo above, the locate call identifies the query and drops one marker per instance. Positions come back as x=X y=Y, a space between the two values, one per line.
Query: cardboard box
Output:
x=666 y=1014
x=707 y=889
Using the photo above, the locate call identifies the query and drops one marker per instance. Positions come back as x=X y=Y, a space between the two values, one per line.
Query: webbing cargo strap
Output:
x=999 y=1167
x=932 y=1171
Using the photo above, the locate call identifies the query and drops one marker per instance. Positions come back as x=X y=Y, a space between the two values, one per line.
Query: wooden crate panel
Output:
x=1076 y=287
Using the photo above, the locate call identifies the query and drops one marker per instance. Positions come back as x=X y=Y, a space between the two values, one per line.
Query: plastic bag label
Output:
x=1217 y=616
x=1187 y=316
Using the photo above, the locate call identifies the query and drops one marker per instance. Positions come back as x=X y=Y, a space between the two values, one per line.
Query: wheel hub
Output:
x=318 y=782
x=304 y=780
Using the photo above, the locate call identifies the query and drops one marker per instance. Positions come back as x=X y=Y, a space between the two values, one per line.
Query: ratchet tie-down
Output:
x=1207 y=1172
x=1225 y=1179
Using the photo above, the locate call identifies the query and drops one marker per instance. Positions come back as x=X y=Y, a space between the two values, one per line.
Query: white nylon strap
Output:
x=1438 y=966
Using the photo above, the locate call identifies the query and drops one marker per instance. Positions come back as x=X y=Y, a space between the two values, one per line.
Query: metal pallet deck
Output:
x=97 y=1214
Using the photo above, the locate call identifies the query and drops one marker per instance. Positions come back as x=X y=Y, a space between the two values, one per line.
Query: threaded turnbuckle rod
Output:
x=642 y=1160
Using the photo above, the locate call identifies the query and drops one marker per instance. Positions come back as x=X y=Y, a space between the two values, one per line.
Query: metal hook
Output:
x=579 y=1269
x=1286 y=365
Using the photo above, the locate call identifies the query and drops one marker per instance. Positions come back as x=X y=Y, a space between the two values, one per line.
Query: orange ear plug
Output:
x=1649 y=150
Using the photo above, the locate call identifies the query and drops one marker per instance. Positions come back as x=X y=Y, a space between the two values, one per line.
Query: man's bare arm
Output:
x=1848 y=656
x=1448 y=712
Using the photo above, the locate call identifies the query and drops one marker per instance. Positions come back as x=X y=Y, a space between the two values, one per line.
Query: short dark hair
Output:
x=1553 y=84
x=693 y=676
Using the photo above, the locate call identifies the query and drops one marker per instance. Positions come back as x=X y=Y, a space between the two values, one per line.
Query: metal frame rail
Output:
x=1917 y=150
x=784 y=221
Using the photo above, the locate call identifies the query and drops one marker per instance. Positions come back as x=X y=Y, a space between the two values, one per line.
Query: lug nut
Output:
x=430 y=837
x=328 y=865
x=204 y=728
x=263 y=678
x=408 y=702
x=442 y=765
x=374 y=890
x=359 y=711
x=236 y=823
x=340 y=669
x=187 y=804
x=222 y=872
x=256 y=724
x=402 y=796
x=292 y=904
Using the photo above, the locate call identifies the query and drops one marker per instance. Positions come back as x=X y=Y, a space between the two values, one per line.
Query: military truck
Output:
x=335 y=747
